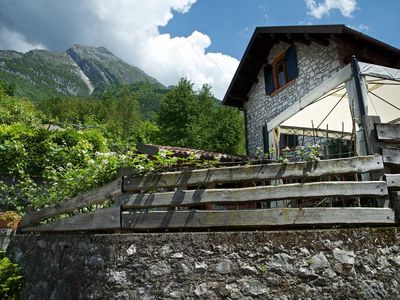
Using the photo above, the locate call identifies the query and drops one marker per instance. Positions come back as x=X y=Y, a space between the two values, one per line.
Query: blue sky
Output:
x=230 y=23
x=202 y=40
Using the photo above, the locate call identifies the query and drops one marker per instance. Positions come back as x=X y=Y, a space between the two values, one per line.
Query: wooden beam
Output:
x=300 y=38
x=256 y=59
x=248 y=79
x=312 y=38
x=391 y=155
x=393 y=181
x=370 y=134
x=255 y=218
x=341 y=76
x=284 y=37
x=102 y=219
x=388 y=132
x=96 y=196
x=260 y=193
x=368 y=53
x=203 y=177
x=238 y=97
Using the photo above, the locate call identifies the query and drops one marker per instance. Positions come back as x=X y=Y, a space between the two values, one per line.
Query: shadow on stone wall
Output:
x=358 y=263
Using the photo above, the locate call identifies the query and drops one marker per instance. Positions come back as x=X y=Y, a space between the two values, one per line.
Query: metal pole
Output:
x=360 y=99
x=357 y=80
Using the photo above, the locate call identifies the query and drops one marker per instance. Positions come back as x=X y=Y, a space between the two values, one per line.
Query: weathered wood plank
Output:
x=285 y=191
x=370 y=132
x=391 y=155
x=388 y=132
x=255 y=172
x=393 y=181
x=96 y=196
x=255 y=218
x=395 y=204
x=102 y=219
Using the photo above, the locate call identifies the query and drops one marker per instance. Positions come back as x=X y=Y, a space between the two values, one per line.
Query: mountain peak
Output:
x=78 y=71
x=104 y=69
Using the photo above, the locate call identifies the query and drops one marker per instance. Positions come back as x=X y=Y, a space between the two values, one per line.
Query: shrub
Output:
x=11 y=279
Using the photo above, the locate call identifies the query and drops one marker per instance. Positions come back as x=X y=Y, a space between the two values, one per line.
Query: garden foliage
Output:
x=11 y=279
x=40 y=167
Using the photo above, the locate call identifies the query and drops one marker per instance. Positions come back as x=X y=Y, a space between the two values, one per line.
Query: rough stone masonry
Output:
x=316 y=63
x=360 y=263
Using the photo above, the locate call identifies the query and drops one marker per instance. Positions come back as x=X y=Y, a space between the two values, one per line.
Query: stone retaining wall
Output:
x=311 y=264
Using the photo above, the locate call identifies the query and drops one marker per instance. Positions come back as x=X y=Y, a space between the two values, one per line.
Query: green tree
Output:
x=7 y=88
x=177 y=113
x=228 y=131
x=195 y=119
x=129 y=114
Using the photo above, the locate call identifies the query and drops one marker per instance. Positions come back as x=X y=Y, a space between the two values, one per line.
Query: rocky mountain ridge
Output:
x=79 y=71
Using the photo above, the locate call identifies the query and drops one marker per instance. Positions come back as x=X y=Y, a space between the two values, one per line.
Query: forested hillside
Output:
x=94 y=135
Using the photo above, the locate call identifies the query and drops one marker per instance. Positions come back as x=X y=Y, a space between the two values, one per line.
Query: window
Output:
x=281 y=74
x=281 y=71
x=288 y=140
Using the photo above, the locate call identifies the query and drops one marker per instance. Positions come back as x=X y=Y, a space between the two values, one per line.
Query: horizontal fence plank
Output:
x=388 y=132
x=393 y=181
x=96 y=196
x=284 y=191
x=102 y=219
x=391 y=155
x=253 y=172
x=254 y=218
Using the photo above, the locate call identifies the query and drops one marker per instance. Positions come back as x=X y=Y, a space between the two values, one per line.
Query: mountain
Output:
x=104 y=69
x=79 y=71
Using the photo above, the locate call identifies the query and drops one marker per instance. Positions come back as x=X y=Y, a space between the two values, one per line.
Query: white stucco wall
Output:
x=315 y=63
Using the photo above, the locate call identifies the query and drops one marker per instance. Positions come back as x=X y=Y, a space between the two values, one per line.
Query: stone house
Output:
x=283 y=64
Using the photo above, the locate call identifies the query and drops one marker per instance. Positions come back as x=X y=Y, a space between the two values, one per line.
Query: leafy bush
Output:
x=11 y=279
x=45 y=167
x=49 y=167
x=16 y=110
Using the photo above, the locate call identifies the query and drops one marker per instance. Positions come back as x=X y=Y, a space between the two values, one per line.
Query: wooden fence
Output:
x=385 y=139
x=324 y=192
x=189 y=200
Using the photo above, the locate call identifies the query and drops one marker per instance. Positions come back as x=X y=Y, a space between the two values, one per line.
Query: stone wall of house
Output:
x=362 y=263
x=315 y=63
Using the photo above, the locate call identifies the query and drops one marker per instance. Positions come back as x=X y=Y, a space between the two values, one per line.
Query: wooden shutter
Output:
x=246 y=130
x=269 y=79
x=291 y=63
x=265 y=138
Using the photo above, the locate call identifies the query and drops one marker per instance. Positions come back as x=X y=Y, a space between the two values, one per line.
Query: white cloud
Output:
x=15 y=41
x=361 y=27
x=129 y=28
x=322 y=8
x=245 y=32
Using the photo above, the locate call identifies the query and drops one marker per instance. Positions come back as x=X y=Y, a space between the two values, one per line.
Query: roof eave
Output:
x=327 y=30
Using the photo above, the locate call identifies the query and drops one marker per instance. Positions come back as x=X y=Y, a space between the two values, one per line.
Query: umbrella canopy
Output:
x=331 y=108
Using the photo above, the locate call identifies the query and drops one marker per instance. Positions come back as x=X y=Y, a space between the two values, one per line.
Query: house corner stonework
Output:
x=316 y=63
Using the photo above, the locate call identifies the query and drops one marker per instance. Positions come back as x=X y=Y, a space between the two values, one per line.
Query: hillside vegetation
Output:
x=97 y=134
